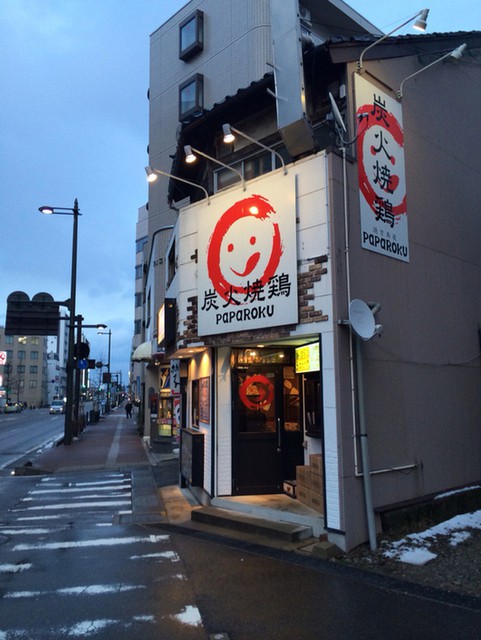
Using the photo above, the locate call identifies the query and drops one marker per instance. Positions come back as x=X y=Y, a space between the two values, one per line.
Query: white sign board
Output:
x=382 y=181
x=247 y=270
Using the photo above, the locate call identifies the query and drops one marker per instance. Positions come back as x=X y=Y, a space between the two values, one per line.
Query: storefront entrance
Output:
x=266 y=420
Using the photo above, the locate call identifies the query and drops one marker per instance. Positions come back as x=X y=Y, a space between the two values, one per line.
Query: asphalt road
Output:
x=67 y=570
x=26 y=432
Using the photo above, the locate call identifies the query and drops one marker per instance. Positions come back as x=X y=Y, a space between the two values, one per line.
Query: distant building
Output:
x=25 y=369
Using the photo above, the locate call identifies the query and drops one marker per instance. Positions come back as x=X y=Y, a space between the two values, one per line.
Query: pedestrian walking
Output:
x=128 y=409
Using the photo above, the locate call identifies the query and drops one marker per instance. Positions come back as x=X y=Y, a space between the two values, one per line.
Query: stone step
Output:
x=236 y=521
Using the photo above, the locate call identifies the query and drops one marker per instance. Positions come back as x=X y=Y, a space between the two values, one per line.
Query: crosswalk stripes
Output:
x=68 y=569
x=60 y=496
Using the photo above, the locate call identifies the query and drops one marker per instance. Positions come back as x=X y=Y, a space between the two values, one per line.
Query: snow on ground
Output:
x=416 y=548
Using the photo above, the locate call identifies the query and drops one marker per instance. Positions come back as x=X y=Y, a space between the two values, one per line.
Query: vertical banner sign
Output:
x=382 y=181
x=247 y=273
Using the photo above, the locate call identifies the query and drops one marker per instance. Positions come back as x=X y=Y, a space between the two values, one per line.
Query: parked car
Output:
x=57 y=406
x=13 y=407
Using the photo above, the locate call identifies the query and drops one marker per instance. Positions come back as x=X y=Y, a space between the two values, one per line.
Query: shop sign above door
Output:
x=247 y=274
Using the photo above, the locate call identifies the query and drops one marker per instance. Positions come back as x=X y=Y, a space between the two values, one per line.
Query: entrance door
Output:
x=267 y=433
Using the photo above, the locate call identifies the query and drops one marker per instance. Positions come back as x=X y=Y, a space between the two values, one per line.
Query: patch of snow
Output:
x=189 y=615
x=415 y=548
x=456 y=491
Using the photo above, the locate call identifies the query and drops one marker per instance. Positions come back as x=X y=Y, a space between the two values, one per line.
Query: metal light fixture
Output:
x=229 y=137
x=190 y=156
x=455 y=55
x=152 y=174
x=420 y=24
x=75 y=212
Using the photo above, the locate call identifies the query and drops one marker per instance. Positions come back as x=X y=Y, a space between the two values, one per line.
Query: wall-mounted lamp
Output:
x=229 y=137
x=190 y=156
x=152 y=177
x=454 y=55
x=420 y=24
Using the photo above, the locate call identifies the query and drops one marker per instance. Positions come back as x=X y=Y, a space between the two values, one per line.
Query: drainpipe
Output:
x=366 y=466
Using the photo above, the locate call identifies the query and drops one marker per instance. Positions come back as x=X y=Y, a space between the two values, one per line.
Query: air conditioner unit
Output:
x=304 y=13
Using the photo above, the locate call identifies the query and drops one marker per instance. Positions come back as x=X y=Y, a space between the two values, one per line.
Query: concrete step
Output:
x=286 y=531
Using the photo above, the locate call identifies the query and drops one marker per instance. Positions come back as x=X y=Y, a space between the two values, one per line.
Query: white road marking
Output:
x=81 y=544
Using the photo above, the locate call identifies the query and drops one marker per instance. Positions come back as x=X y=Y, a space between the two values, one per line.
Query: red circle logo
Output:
x=245 y=247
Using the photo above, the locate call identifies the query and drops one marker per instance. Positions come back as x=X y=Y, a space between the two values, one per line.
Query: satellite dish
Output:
x=362 y=319
x=337 y=113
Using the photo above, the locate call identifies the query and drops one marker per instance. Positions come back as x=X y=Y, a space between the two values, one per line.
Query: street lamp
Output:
x=67 y=211
x=109 y=334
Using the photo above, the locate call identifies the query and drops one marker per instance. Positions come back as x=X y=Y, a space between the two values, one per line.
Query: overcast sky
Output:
x=74 y=124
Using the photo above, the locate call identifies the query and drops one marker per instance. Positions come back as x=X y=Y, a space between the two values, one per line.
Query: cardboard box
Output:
x=316 y=483
x=315 y=462
x=303 y=475
x=289 y=487
x=301 y=493
x=310 y=498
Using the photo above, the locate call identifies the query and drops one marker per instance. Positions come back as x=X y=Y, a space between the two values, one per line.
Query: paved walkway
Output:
x=111 y=442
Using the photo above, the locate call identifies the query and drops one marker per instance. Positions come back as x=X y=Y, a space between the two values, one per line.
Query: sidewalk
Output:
x=110 y=443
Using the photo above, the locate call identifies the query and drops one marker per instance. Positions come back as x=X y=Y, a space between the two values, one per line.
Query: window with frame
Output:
x=22 y=354
x=32 y=384
x=191 y=96
x=249 y=168
x=33 y=355
x=191 y=35
x=20 y=368
x=139 y=270
x=33 y=369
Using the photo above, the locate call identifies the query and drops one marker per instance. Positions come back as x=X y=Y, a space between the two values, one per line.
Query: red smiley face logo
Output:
x=244 y=247
x=257 y=392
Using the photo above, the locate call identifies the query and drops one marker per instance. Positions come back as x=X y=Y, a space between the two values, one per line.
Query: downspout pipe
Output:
x=366 y=465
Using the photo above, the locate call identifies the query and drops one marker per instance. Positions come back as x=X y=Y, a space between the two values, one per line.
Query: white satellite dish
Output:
x=337 y=113
x=362 y=319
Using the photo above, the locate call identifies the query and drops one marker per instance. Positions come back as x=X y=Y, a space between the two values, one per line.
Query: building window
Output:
x=191 y=96
x=138 y=300
x=34 y=340
x=171 y=267
x=33 y=355
x=137 y=327
x=140 y=244
x=139 y=270
x=33 y=369
x=8 y=339
x=32 y=384
x=249 y=168
x=21 y=354
x=20 y=368
x=191 y=35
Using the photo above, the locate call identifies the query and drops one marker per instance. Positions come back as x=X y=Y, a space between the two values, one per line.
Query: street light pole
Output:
x=109 y=334
x=75 y=212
